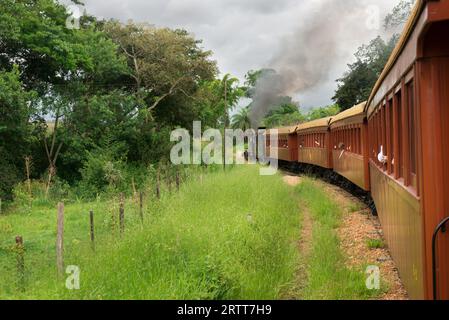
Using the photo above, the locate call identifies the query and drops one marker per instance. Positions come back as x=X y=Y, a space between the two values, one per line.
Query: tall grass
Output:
x=328 y=277
x=230 y=237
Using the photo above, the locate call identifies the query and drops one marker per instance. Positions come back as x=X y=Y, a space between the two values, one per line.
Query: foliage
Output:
x=15 y=130
x=95 y=86
x=165 y=64
x=375 y=243
x=399 y=15
x=356 y=84
x=216 y=99
x=242 y=245
x=285 y=115
x=241 y=120
x=323 y=112
x=328 y=277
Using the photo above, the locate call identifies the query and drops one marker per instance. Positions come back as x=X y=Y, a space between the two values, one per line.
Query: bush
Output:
x=9 y=176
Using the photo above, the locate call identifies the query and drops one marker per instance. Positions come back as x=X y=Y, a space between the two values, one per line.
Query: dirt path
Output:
x=305 y=243
x=357 y=228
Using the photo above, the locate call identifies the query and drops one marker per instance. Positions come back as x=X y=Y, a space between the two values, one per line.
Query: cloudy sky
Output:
x=252 y=34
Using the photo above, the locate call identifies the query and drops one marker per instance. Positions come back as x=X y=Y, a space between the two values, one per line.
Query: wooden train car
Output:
x=349 y=143
x=313 y=143
x=396 y=146
x=407 y=120
x=287 y=144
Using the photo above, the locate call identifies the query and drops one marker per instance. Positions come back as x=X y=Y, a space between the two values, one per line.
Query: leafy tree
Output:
x=216 y=99
x=398 y=17
x=287 y=114
x=15 y=130
x=165 y=63
x=241 y=120
x=356 y=84
x=323 y=112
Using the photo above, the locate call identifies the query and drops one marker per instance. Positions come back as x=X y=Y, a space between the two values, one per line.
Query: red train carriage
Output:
x=349 y=136
x=408 y=112
x=313 y=143
x=287 y=142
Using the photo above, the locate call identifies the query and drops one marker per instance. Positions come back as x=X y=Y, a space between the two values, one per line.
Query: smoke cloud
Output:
x=306 y=57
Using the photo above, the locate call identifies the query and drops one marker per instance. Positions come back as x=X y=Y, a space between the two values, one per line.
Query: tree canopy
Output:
x=356 y=84
x=106 y=88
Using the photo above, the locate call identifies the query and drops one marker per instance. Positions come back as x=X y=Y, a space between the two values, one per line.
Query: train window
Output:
x=384 y=134
x=399 y=163
x=412 y=132
x=390 y=137
x=378 y=138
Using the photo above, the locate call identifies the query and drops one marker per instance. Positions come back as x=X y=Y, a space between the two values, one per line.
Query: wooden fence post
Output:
x=28 y=172
x=60 y=240
x=169 y=182
x=20 y=263
x=122 y=213
x=92 y=229
x=141 y=205
x=158 y=184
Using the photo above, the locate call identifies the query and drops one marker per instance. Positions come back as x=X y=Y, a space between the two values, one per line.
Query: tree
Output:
x=323 y=112
x=15 y=130
x=356 y=84
x=285 y=115
x=241 y=120
x=399 y=15
x=216 y=98
x=164 y=62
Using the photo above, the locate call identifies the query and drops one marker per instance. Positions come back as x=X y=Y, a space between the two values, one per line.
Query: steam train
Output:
x=396 y=146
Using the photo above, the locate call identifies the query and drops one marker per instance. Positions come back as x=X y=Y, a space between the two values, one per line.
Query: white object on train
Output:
x=381 y=156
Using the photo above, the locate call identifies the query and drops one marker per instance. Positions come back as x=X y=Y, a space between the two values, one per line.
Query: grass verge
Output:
x=328 y=277
x=231 y=236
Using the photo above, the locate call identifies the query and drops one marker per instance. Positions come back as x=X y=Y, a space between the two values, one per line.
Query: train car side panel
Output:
x=351 y=166
x=315 y=156
x=400 y=215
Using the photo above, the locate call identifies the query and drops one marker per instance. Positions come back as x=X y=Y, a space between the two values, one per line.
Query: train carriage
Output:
x=395 y=146
x=287 y=144
x=313 y=143
x=407 y=112
x=349 y=143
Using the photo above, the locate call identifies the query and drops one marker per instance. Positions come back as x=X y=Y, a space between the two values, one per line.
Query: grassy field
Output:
x=230 y=235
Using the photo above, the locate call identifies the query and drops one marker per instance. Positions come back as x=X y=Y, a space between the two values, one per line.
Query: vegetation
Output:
x=109 y=89
x=241 y=245
x=328 y=277
x=375 y=243
x=356 y=84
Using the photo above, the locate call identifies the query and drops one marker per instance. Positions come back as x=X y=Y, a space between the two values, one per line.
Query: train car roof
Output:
x=284 y=130
x=323 y=122
x=408 y=29
x=352 y=112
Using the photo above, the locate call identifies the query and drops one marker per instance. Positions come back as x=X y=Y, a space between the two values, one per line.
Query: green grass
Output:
x=199 y=243
x=328 y=277
x=375 y=243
